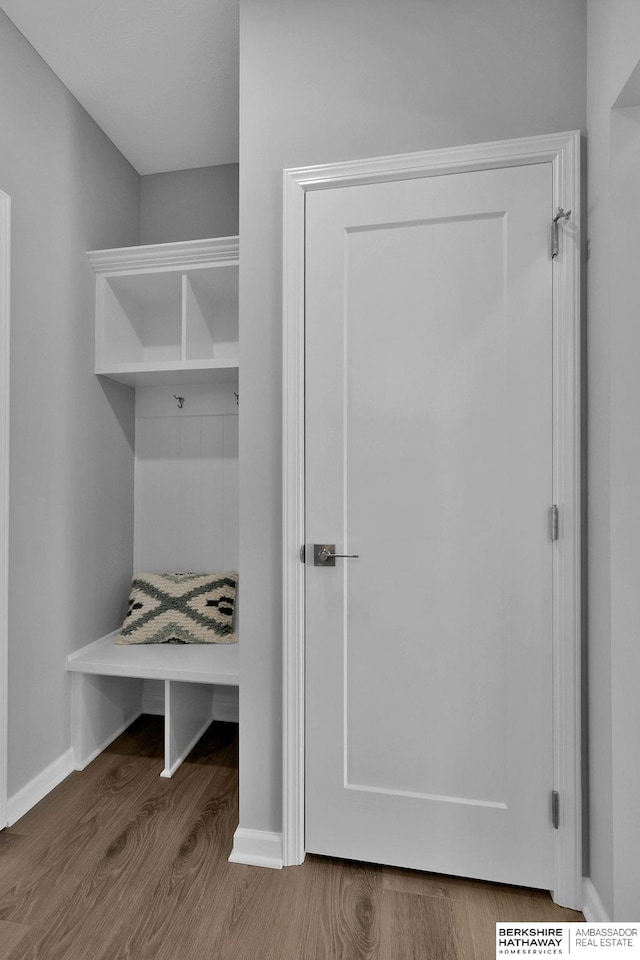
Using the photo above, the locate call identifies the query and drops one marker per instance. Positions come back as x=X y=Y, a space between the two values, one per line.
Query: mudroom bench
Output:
x=107 y=693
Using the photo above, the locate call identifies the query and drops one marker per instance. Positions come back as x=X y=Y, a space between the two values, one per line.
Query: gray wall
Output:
x=71 y=459
x=189 y=204
x=324 y=81
x=614 y=455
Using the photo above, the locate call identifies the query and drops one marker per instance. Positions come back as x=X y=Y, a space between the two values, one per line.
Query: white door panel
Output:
x=428 y=453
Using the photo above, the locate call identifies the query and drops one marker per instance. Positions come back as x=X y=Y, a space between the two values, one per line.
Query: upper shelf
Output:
x=172 y=372
x=167 y=312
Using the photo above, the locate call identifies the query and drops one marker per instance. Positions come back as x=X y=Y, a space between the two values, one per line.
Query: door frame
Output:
x=5 y=283
x=563 y=152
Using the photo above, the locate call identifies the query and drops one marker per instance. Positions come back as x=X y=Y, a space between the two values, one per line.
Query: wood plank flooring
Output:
x=119 y=864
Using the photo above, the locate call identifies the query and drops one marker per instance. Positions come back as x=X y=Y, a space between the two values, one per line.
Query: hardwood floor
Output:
x=119 y=864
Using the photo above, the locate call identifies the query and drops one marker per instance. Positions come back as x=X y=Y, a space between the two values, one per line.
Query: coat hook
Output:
x=562 y=214
x=180 y=401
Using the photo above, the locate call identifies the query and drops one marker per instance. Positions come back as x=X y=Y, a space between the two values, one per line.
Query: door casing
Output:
x=562 y=151
x=5 y=275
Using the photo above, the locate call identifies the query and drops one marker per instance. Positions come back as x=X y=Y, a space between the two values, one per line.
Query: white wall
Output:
x=71 y=458
x=614 y=456
x=189 y=204
x=324 y=81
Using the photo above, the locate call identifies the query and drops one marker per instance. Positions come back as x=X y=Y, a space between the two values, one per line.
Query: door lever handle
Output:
x=324 y=555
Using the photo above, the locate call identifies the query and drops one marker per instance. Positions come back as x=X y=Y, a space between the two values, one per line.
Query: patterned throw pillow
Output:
x=181 y=608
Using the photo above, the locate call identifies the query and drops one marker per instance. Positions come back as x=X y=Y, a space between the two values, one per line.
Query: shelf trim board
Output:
x=163 y=366
x=202 y=663
x=171 y=372
x=161 y=256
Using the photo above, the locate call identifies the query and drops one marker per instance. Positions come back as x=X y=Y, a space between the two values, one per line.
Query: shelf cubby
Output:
x=211 y=313
x=142 y=318
x=167 y=313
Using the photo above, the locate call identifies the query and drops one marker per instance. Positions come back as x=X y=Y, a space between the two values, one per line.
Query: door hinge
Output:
x=555 y=809
x=555 y=522
x=303 y=553
x=555 y=224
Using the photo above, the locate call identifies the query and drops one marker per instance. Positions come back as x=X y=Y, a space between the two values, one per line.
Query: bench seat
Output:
x=106 y=693
x=189 y=662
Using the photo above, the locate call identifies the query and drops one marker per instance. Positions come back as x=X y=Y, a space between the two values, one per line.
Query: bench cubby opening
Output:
x=199 y=683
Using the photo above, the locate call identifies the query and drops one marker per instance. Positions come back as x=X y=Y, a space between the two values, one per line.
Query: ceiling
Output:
x=159 y=76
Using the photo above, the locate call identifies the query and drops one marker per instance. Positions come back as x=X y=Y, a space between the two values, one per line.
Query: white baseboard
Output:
x=593 y=909
x=257 y=848
x=42 y=784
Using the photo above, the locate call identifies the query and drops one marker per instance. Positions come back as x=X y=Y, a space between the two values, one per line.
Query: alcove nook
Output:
x=167 y=325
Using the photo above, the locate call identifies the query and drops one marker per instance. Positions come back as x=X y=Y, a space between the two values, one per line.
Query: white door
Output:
x=429 y=739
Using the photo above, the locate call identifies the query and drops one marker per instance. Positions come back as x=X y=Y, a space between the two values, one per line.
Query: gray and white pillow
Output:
x=181 y=608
